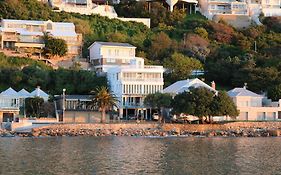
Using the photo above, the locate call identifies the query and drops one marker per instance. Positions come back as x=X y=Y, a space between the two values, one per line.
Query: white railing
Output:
x=221 y=1
x=228 y=1
x=144 y=79
x=153 y=67
x=133 y=105
x=9 y=105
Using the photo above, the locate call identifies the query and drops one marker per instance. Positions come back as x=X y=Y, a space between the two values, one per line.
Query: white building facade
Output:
x=22 y=34
x=12 y=102
x=252 y=106
x=105 y=55
x=131 y=83
x=250 y=8
x=88 y=7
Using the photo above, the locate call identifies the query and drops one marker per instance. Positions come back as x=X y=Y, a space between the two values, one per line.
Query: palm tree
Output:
x=105 y=100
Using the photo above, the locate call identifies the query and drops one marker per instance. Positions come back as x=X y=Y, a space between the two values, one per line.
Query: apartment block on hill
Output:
x=28 y=34
x=88 y=7
x=235 y=10
x=105 y=55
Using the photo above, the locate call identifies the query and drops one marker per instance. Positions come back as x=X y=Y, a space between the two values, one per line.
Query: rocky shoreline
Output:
x=149 y=132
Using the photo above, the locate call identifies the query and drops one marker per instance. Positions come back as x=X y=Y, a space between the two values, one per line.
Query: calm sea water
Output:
x=138 y=155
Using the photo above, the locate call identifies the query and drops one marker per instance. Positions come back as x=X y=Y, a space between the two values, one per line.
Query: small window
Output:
x=49 y=26
x=110 y=60
x=116 y=52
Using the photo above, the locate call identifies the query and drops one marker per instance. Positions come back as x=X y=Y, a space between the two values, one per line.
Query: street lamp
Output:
x=63 y=102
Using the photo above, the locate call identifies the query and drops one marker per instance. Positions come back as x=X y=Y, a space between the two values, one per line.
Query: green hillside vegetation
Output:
x=227 y=54
x=27 y=73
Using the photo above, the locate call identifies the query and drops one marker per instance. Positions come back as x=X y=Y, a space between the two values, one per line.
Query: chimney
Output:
x=213 y=84
x=245 y=86
x=37 y=93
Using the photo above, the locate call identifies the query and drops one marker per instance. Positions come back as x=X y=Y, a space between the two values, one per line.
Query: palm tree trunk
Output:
x=103 y=117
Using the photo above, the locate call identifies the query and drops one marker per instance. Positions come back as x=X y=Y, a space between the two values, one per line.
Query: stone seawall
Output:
x=226 y=126
x=168 y=126
x=234 y=129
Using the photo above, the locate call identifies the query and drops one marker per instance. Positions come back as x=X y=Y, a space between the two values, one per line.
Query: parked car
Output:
x=132 y=117
x=183 y=118
x=155 y=116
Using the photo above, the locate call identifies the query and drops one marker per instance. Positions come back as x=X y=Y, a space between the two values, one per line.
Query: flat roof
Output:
x=114 y=44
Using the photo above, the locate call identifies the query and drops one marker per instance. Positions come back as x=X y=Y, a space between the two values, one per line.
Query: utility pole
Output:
x=255 y=45
x=63 y=103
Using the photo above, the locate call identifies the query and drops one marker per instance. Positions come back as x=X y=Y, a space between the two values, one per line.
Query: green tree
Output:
x=81 y=26
x=223 y=105
x=197 y=102
x=180 y=67
x=201 y=31
x=33 y=106
x=158 y=101
x=55 y=46
x=196 y=46
x=274 y=92
x=273 y=23
x=105 y=100
x=160 y=47
x=117 y=37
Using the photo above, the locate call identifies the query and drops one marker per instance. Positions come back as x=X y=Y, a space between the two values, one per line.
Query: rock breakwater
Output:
x=163 y=130
x=156 y=132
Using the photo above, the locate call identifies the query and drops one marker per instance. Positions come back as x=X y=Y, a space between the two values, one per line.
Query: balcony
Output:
x=143 y=79
x=9 y=106
x=153 y=67
x=221 y=1
x=133 y=105
x=10 y=38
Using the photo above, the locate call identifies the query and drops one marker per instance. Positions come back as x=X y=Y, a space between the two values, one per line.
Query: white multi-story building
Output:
x=210 y=8
x=88 y=7
x=267 y=7
x=250 y=8
x=18 y=34
x=105 y=55
x=131 y=83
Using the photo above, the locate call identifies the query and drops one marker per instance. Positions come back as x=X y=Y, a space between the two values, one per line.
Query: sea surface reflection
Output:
x=140 y=155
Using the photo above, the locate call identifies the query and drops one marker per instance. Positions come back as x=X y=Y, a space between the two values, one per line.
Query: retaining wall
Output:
x=168 y=126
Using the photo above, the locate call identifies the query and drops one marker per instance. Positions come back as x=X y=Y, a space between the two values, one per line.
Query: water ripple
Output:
x=139 y=155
